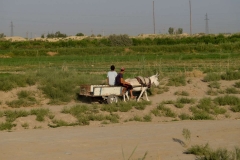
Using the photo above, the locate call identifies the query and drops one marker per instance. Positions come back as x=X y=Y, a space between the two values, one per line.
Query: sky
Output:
x=32 y=18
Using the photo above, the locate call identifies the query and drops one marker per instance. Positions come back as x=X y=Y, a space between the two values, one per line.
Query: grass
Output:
x=199 y=114
x=227 y=100
x=25 y=99
x=214 y=84
x=236 y=108
x=178 y=105
x=231 y=75
x=25 y=125
x=161 y=90
x=85 y=114
x=212 y=92
x=187 y=136
x=164 y=111
x=11 y=81
x=125 y=107
x=207 y=105
x=184 y=100
x=184 y=116
x=11 y=115
x=177 y=81
x=204 y=152
x=6 y=126
x=237 y=84
x=58 y=77
x=60 y=123
x=232 y=90
x=181 y=93
x=212 y=77
x=40 y=113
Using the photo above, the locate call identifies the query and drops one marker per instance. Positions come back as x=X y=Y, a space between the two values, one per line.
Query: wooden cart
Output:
x=107 y=93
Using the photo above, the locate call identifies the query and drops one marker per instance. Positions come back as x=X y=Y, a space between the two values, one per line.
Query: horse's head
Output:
x=154 y=79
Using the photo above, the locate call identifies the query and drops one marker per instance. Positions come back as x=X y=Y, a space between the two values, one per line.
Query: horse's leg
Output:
x=143 y=89
x=126 y=94
x=146 y=95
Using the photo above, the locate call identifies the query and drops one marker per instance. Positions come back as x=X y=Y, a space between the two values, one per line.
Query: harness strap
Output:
x=143 y=82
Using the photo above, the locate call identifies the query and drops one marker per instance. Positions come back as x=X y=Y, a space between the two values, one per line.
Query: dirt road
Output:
x=117 y=141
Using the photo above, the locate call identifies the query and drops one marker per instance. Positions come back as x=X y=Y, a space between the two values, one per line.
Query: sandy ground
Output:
x=161 y=141
x=161 y=138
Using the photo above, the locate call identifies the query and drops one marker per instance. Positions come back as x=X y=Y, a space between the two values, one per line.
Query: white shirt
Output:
x=111 y=77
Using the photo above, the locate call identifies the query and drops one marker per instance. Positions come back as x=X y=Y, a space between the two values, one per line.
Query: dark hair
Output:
x=112 y=67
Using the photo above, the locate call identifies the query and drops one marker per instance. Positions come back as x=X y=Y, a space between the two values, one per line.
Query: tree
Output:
x=120 y=40
x=42 y=36
x=58 y=34
x=2 y=35
x=179 y=31
x=171 y=30
x=79 y=34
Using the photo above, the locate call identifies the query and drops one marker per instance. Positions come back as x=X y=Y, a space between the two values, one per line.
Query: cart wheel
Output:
x=112 y=99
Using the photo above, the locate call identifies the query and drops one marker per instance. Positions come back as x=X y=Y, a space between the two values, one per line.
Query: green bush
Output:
x=214 y=84
x=166 y=111
x=236 y=108
x=181 y=93
x=237 y=84
x=184 y=116
x=11 y=115
x=198 y=150
x=25 y=100
x=11 y=81
x=206 y=105
x=185 y=100
x=232 y=90
x=120 y=40
x=179 y=105
x=231 y=75
x=147 y=118
x=40 y=113
x=227 y=100
x=199 y=114
x=6 y=126
x=212 y=77
x=212 y=92
x=206 y=153
x=177 y=81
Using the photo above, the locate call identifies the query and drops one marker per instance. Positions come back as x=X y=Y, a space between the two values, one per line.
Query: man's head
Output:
x=112 y=67
x=122 y=69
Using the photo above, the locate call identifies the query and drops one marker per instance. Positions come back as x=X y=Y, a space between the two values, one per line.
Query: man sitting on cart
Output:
x=111 y=75
x=121 y=82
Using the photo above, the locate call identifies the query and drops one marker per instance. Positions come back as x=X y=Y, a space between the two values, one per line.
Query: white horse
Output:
x=142 y=84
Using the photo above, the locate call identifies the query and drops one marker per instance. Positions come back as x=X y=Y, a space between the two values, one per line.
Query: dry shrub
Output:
x=194 y=73
x=4 y=56
x=52 y=53
x=127 y=50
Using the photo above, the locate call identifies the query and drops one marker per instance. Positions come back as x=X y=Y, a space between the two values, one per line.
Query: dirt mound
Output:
x=194 y=73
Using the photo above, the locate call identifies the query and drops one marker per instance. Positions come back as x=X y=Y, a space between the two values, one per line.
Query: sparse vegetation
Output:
x=40 y=113
x=177 y=81
x=187 y=136
x=25 y=100
x=232 y=90
x=184 y=116
x=214 y=84
x=25 y=125
x=181 y=93
x=204 y=152
x=164 y=111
